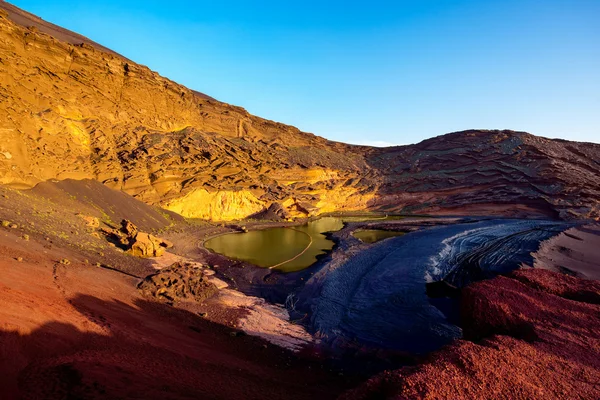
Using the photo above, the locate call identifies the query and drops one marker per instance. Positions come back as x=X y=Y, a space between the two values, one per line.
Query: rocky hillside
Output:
x=75 y=111
x=70 y=108
x=490 y=172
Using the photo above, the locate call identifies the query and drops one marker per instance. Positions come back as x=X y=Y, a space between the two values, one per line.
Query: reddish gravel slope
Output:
x=79 y=331
x=539 y=338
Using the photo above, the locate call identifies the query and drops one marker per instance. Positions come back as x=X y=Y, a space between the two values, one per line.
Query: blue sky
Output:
x=368 y=72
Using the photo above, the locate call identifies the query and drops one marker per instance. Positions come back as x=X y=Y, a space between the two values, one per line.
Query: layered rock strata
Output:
x=70 y=108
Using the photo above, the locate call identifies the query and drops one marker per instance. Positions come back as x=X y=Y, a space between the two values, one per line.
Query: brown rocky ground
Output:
x=79 y=331
x=69 y=214
x=74 y=325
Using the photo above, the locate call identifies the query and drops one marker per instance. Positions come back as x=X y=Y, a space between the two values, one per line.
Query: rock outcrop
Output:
x=70 y=108
x=137 y=243
x=146 y=245
x=179 y=282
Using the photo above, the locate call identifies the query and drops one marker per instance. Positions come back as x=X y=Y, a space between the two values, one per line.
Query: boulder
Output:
x=146 y=245
x=128 y=228
x=140 y=244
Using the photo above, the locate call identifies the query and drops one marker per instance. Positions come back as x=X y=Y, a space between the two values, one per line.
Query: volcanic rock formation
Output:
x=75 y=111
x=137 y=243
x=70 y=108
x=482 y=172
x=179 y=282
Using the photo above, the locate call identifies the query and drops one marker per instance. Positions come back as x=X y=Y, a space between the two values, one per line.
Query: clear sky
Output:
x=371 y=71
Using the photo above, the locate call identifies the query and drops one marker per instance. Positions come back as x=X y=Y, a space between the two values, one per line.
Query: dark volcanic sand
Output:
x=378 y=297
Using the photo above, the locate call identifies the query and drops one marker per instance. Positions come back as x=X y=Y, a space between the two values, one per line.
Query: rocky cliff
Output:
x=70 y=108
x=75 y=111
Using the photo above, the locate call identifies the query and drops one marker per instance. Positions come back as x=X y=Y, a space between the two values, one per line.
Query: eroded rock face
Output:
x=219 y=205
x=275 y=212
x=179 y=282
x=71 y=111
x=490 y=172
x=146 y=245
x=70 y=108
x=128 y=228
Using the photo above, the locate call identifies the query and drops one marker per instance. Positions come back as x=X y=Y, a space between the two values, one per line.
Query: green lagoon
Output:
x=287 y=249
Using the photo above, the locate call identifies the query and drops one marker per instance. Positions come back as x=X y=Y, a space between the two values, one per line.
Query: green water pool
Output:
x=289 y=249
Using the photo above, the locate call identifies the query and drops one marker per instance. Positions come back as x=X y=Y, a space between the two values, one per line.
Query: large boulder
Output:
x=140 y=244
x=146 y=245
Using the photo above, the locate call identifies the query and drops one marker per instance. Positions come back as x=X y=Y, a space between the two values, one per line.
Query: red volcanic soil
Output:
x=537 y=336
x=80 y=331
